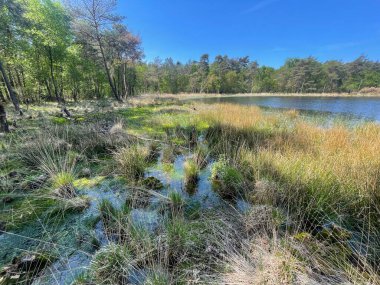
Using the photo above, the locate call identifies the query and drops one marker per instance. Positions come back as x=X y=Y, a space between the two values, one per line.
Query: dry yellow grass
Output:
x=333 y=172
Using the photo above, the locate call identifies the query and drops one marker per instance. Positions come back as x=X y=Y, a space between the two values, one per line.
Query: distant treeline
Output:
x=240 y=75
x=49 y=51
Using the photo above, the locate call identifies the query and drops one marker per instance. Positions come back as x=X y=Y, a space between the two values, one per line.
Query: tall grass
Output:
x=325 y=174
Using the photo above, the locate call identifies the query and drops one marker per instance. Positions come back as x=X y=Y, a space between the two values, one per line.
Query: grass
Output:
x=228 y=180
x=191 y=171
x=132 y=161
x=312 y=192
x=112 y=265
x=336 y=164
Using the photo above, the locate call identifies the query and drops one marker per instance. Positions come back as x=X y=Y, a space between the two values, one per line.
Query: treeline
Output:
x=51 y=51
x=240 y=75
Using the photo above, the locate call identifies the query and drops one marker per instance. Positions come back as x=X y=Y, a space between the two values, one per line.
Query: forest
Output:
x=50 y=51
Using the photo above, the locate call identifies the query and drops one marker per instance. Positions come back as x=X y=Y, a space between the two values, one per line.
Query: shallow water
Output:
x=73 y=262
x=74 y=258
x=352 y=107
x=173 y=180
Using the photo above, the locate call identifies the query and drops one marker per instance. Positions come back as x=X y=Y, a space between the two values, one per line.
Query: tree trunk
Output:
x=125 y=85
x=113 y=88
x=2 y=98
x=53 y=78
x=19 y=82
x=48 y=89
x=12 y=93
x=3 y=119
x=60 y=101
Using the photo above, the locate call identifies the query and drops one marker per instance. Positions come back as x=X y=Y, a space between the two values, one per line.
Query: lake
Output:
x=356 y=107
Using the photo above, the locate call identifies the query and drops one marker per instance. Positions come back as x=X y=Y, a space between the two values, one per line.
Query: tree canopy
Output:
x=84 y=50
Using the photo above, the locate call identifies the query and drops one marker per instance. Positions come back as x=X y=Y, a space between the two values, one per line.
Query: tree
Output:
x=124 y=50
x=93 y=19
x=3 y=119
x=11 y=92
x=12 y=22
x=51 y=35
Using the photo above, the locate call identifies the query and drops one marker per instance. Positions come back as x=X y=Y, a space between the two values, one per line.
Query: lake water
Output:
x=355 y=107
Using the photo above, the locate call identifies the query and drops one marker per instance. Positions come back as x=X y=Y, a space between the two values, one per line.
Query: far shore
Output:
x=184 y=96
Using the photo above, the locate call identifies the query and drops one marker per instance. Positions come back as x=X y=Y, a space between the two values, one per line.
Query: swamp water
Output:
x=70 y=237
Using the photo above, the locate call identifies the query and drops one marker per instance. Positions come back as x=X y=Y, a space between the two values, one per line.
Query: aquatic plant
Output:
x=111 y=265
x=191 y=174
x=131 y=160
x=176 y=202
x=228 y=180
x=201 y=156
x=168 y=154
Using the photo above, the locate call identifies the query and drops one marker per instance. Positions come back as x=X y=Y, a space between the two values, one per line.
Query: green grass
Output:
x=191 y=171
x=227 y=179
x=132 y=161
x=309 y=188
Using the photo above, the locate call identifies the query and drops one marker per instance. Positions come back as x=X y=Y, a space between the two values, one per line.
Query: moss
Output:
x=302 y=236
x=60 y=120
x=25 y=209
x=88 y=182
x=152 y=183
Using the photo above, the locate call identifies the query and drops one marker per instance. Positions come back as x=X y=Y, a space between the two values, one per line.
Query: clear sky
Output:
x=269 y=31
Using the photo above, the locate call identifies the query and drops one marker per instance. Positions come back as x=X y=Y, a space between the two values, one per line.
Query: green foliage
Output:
x=62 y=179
x=228 y=180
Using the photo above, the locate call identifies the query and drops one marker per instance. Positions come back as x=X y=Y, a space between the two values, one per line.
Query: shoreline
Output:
x=185 y=96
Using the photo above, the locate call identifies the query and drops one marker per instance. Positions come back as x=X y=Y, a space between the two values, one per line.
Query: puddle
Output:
x=64 y=271
x=146 y=219
x=174 y=180
x=70 y=265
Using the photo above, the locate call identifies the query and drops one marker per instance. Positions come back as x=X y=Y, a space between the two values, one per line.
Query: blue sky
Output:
x=269 y=31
